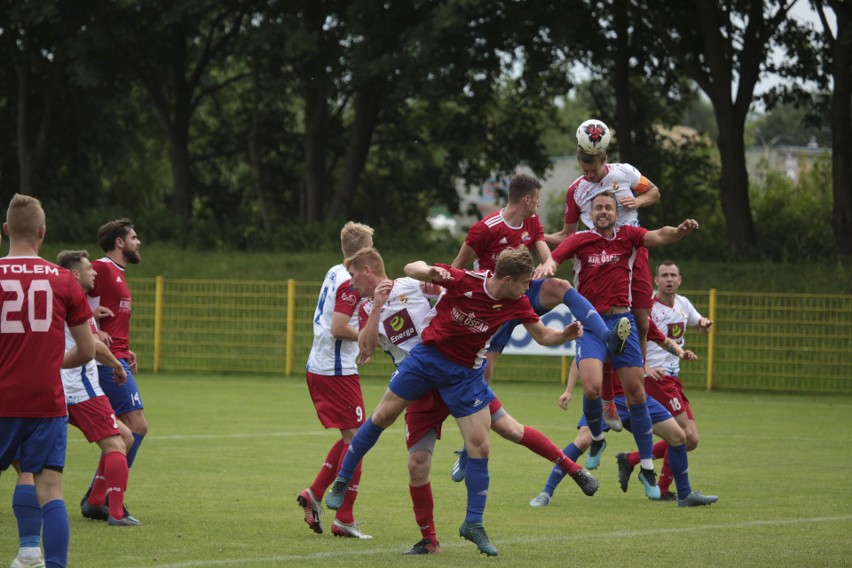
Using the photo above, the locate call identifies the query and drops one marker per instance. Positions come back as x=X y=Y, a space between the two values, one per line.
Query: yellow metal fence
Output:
x=780 y=342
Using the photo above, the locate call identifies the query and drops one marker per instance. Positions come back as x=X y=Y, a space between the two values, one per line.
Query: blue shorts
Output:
x=590 y=347
x=658 y=413
x=501 y=339
x=37 y=442
x=123 y=398
x=463 y=389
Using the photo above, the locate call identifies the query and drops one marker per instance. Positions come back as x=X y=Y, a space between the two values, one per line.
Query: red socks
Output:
x=541 y=445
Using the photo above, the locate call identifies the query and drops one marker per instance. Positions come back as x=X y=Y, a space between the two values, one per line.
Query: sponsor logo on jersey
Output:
x=468 y=294
x=124 y=305
x=349 y=298
x=400 y=327
x=525 y=236
x=118 y=279
x=469 y=321
x=23 y=269
x=503 y=241
x=676 y=330
x=603 y=258
x=614 y=185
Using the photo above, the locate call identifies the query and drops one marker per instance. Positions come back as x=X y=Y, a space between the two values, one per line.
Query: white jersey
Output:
x=405 y=314
x=621 y=179
x=672 y=321
x=80 y=383
x=330 y=356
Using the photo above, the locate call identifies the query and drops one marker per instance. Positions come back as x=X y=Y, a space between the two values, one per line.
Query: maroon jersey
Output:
x=37 y=298
x=602 y=266
x=491 y=235
x=467 y=316
x=111 y=290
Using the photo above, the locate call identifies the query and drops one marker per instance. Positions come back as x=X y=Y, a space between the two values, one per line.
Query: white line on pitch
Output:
x=508 y=541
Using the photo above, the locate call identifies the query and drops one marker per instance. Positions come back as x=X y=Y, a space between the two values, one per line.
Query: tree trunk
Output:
x=254 y=153
x=179 y=127
x=734 y=188
x=621 y=83
x=841 y=131
x=367 y=108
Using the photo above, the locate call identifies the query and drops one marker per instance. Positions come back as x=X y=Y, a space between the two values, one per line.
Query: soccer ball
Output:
x=593 y=136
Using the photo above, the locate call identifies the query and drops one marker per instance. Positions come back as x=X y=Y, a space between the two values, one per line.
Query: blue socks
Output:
x=28 y=514
x=365 y=438
x=593 y=411
x=640 y=422
x=57 y=533
x=679 y=466
x=557 y=474
x=476 y=479
x=584 y=312
x=131 y=453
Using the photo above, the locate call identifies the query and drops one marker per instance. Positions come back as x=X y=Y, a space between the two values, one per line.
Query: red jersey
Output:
x=491 y=235
x=602 y=266
x=111 y=290
x=467 y=316
x=37 y=298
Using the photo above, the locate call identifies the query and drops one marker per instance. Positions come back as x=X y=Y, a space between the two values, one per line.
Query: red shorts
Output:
x=669 y=393
x=424 y=414
x=641 y=284
x=337 y=399
x=95 y=418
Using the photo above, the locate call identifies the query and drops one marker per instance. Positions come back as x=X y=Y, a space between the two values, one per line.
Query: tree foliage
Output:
x=265 y=123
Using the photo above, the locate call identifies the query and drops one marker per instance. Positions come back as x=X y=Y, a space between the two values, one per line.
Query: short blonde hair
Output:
x=355 y=236
x=368 y=256
x=514 y=262
x=24 y=217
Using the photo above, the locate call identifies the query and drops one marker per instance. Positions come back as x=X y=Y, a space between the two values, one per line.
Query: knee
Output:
x=509 y=429
x=691 y=442
x=418 y=470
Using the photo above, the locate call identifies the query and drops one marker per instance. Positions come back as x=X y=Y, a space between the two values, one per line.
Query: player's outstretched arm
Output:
x=553 y=239
x=549 y=336
x=668 y=235
x=419 y=270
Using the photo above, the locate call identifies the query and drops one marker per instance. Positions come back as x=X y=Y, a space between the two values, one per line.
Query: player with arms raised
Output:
x=633 y=191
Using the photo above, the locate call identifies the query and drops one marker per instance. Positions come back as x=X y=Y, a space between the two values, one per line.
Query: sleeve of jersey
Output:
x=536 y=230
x=642 y=186
x=654 y=333
x=474 y=237
x=347 y=299
x=634 y=234
x=456 y=273
x=565 y=250
x=572 y=210
x=692 y=315
x=528 y=313
x=78 y=310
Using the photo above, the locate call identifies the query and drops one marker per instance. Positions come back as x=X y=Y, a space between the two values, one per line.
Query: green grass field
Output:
x=216 y=480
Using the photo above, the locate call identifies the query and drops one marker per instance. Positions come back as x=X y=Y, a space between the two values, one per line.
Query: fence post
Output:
x=291 y=324
x=563 y=375
x=158 y=321
x=711 y=339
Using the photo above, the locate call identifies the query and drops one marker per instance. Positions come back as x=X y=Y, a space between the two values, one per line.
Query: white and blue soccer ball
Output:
x=593 y=136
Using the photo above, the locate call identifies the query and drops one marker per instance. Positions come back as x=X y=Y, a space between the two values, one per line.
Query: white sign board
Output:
x=521 y=343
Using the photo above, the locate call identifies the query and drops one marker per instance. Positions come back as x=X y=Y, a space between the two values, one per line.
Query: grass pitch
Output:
x=216 y=480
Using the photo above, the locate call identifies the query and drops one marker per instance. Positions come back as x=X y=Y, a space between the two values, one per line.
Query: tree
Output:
x=840 y=118
x=719 y=44
x=171 y=48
